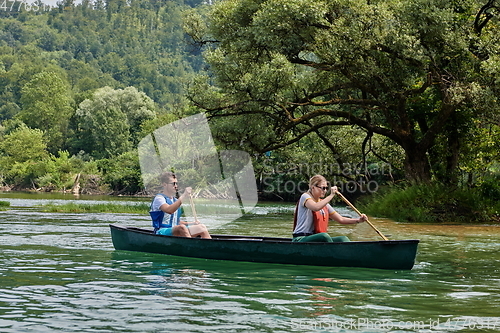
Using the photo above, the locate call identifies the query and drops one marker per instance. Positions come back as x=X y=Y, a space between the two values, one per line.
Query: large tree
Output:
x=109 y=123
x=422 y=73
x=46 y=105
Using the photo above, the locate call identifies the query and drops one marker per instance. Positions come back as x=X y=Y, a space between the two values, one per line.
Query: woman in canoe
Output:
x=166 y=211
x=313 y=212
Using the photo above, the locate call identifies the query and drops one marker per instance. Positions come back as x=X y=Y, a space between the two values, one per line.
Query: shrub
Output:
x=430 y=203
x=122 y=173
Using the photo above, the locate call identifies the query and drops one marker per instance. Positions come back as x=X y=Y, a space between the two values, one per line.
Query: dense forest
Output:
x=397 y=99
x=82 y=83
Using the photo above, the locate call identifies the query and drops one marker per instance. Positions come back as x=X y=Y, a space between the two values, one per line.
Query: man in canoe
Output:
x=313 y=213
x=166 y=211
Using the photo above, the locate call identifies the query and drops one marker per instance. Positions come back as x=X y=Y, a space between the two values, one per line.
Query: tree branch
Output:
x=327 y=142
x=349 y=120
x=276 y=145
x=484 y=16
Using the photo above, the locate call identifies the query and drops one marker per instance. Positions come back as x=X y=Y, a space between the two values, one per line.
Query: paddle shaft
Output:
x=359 y=213
x=192 y=207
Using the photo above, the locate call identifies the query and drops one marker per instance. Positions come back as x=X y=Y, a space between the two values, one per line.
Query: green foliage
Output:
x=58 y=61
x=149 y=125
x=4 y=205
x=122 y=173
x=61 y=172
x=23 y=156
x=419 y=73
x=138 y=44
x=24 y=175
x=490 y=188
x=25 y=161
x=110 y=121
x=432 y=203
x=46 y=105
x=24 y=144
x=480 y=153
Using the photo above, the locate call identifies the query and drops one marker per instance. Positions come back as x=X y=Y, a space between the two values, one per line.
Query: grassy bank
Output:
x=434 y=203
x=4 y=205
x=139 y=208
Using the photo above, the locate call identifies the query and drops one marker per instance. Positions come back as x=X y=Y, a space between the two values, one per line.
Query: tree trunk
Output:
x=453 y=153
x=417 y=168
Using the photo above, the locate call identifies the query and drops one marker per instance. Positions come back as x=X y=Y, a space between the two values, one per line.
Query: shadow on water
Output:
x=158 y=262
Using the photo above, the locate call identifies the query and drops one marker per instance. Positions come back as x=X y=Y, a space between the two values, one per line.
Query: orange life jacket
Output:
x=320 y=220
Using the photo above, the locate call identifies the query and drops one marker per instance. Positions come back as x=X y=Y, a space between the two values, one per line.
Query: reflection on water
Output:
x=60 y=273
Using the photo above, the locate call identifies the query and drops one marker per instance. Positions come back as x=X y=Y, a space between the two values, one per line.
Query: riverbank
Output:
x=434 y=204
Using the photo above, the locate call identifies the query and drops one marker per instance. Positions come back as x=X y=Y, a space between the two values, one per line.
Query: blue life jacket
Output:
x=158 y=216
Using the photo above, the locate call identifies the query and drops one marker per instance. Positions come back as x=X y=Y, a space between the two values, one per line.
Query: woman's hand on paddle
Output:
x=334 y=190
x=362 y=218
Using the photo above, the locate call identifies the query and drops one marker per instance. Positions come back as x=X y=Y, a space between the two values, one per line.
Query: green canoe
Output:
x=392 y=254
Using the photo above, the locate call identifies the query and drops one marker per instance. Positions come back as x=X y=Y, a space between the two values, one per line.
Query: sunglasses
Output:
x=324 y=188
x=173 y=183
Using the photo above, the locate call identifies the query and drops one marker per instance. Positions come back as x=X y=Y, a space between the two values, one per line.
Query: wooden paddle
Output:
x=359 y=213
x=192 y=207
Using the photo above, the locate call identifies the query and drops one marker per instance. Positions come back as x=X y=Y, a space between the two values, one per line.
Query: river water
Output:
x=60 y=273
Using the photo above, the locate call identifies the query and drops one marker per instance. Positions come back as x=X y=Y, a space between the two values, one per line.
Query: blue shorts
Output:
x=165 y=231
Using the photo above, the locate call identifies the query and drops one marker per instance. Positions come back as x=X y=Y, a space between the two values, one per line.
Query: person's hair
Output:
x=165 y=177
x=315 y=180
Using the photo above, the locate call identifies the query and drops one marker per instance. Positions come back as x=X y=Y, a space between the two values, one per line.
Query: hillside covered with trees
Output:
x=81 y=83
